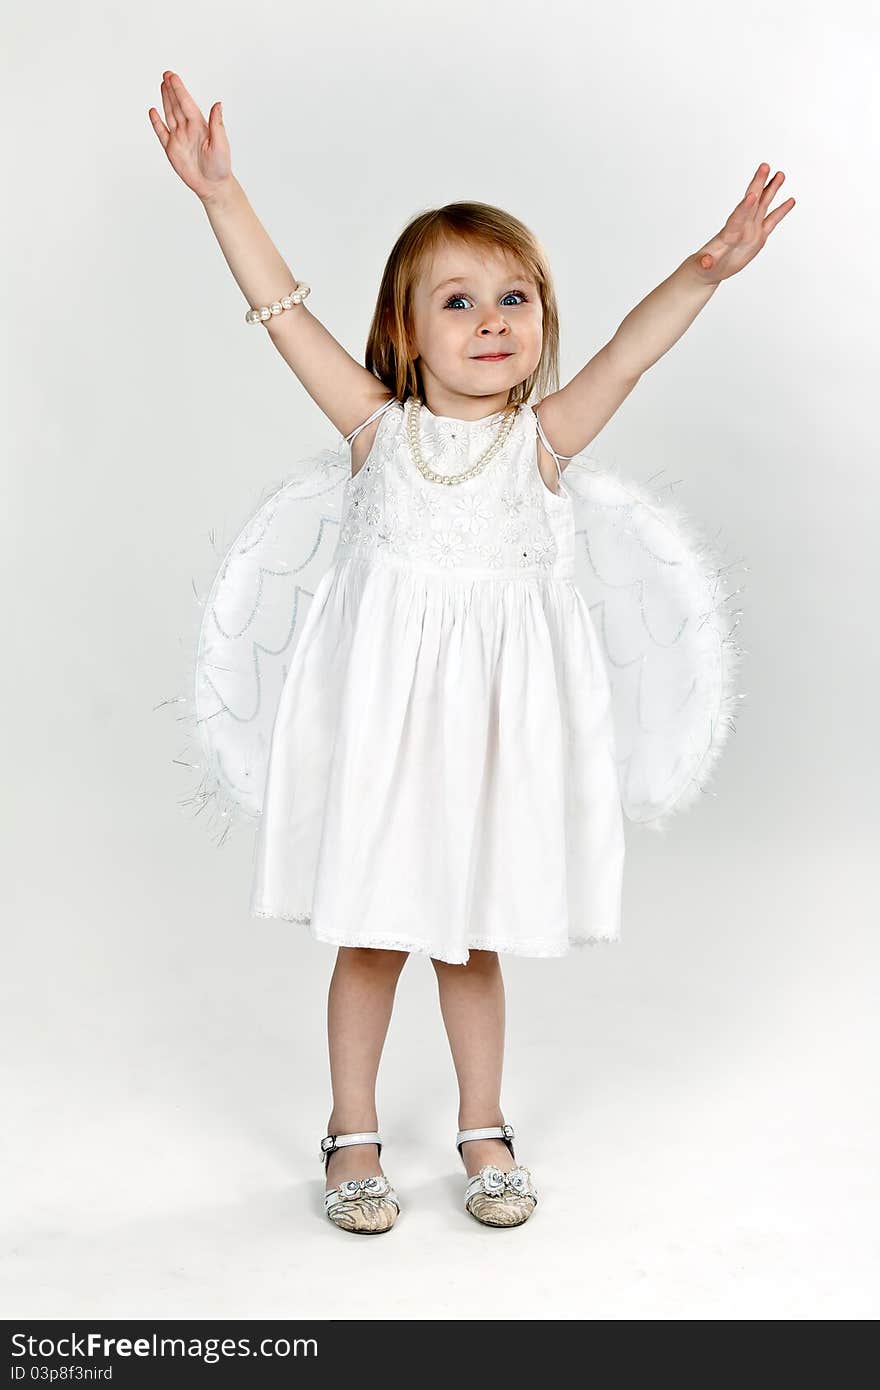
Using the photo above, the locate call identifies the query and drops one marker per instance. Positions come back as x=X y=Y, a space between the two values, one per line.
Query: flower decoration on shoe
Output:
x=498 y=1198
x=376 y=1186
x=363 y=1205
x=495 y=1181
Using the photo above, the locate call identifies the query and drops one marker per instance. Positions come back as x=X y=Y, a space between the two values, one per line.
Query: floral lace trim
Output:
x=534 y=949
x=305 y=917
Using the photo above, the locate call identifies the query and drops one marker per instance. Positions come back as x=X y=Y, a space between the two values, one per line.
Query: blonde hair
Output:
x=389 y=342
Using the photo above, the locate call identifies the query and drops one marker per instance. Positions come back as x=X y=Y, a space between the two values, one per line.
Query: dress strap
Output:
x=548 y=446
x=349 y=437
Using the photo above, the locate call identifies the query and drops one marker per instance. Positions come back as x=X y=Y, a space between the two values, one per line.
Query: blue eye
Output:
x=452 y=299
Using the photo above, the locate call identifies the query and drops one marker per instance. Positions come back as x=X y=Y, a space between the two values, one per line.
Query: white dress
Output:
x=442 y=767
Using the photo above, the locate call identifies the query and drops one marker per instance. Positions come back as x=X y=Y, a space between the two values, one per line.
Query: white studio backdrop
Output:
x=709 y=1078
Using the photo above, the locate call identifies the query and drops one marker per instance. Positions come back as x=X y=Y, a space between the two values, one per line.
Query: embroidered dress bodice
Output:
x=502 y=522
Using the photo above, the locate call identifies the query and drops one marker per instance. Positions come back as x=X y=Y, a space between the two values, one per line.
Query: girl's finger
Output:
x=756 y=183
x=174 y=94
x=168 y=107
x=188 y=108
x=215 y=121
x=770 y=192
x=776 y=216
x=159 y=126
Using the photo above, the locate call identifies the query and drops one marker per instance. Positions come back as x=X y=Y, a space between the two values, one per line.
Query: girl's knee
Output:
x=373 y=958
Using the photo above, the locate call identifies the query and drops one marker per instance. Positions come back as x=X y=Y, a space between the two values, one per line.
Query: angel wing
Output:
x=250 y=620
x=656 y=593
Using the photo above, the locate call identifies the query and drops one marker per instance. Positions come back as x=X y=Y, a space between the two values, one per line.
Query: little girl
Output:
x=442 y=776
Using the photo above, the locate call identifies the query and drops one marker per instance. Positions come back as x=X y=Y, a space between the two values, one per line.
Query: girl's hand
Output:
x=745 y=231
x=197 y=149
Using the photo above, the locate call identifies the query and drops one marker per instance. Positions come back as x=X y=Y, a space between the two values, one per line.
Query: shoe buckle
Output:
x=328 y=1144
x=508 y=1131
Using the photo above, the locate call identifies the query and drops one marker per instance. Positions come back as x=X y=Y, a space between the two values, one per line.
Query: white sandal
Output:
x=366 y=1206
x=493 y=1196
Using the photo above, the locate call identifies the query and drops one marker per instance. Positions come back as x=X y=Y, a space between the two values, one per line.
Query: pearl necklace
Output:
x=413 y=406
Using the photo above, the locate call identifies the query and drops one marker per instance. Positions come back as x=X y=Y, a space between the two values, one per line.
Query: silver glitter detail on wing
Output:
x=240 y=650
x=656 y=589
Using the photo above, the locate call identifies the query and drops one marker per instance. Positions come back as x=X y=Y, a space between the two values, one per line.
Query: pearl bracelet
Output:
x=296 y=296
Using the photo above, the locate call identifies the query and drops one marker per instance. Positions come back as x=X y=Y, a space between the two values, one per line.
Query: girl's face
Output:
x=469 y=303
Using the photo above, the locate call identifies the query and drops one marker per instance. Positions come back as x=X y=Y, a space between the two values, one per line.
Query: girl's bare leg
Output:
x=359 y=1006
x=472 y=1004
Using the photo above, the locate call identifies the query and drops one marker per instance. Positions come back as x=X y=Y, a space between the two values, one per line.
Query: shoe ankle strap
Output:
x=504 y=1132
x=330 y=1142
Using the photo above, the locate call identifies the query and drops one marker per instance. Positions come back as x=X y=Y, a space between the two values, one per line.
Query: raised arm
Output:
x=573 y=415
x=198 y=151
